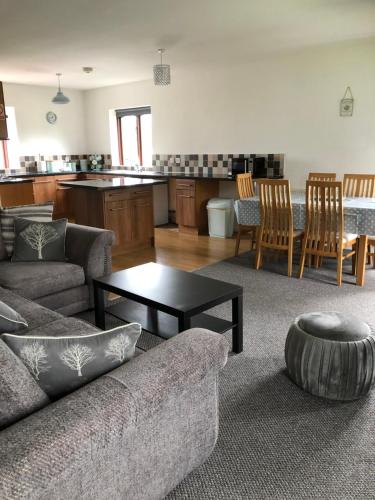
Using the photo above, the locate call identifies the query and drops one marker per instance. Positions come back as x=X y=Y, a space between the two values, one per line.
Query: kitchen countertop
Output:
x=116 y=183
x=14 y=181
x=145 y=174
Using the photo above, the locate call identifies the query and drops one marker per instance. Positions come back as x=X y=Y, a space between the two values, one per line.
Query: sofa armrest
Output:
x=179 y=363
x=57 y=451
x=90 y=248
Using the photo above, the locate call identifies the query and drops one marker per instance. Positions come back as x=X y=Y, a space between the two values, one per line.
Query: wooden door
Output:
x=185 y=208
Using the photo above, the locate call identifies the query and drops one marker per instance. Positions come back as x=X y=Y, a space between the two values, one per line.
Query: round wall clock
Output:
x=51 y=117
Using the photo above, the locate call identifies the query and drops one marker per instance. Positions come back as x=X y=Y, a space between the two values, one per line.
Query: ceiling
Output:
x=119 y=38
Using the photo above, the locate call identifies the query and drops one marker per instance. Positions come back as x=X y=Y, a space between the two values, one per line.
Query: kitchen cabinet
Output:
x=16 y=193
x=3 y=119
x=192 y=196
x=126 y=210
x=47 y=188
x=44 y=189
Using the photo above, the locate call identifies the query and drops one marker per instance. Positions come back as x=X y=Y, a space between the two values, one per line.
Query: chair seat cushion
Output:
x=334 y=326
x=37 y=279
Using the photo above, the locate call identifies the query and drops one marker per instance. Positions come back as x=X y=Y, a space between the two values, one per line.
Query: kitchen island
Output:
x=123 y=205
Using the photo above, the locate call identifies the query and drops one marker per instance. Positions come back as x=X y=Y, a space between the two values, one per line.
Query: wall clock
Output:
x=51 y=117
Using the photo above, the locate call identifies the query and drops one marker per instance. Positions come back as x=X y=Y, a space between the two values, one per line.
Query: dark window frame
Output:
x=137 y=112
x=5 y=154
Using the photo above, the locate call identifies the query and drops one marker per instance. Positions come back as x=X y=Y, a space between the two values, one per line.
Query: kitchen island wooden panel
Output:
x=124 y=207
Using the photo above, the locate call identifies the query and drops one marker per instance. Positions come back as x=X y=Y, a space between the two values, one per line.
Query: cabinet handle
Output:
x=185 y=196
x=43 y=182
x=115 y=194
x=140 y=192
x=116 y=209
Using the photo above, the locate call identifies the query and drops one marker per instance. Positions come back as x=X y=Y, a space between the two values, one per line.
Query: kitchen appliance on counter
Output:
x=239 y=166
x=259 y=167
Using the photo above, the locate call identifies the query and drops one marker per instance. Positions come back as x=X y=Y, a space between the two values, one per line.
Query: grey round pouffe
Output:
x=331 y=355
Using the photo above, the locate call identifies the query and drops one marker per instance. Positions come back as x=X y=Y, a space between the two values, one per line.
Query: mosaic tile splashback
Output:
x=29 y=163
x=215 y=163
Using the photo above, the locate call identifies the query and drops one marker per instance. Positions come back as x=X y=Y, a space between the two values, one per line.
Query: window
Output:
x=134 y=136
x=9 y=157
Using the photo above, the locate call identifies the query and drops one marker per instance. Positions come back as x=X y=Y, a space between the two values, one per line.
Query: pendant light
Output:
x=60 y=98
x=162 y=72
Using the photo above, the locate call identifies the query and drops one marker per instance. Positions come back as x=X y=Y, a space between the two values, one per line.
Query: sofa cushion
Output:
x=39 y=241
x=62 y=364
x=10 y=320
x=39 y=213
x=37 y=279
x=20 y=395
x=34 y=314
x=3 y=252
x=63 y=327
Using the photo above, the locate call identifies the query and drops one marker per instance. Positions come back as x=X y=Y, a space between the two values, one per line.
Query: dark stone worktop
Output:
x=116 y=183
x=7 y=180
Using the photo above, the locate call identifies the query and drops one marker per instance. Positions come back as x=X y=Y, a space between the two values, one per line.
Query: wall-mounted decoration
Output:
x=346 y=103
x=51 y=117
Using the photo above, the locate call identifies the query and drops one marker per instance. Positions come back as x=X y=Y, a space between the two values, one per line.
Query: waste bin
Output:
x=220 y=217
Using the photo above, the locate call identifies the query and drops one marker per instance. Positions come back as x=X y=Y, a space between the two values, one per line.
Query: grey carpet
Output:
x=276 y=441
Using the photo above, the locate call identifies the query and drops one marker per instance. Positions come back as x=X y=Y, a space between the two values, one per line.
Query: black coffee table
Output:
x=166 y=301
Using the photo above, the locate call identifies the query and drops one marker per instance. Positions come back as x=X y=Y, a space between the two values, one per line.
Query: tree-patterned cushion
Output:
x=62 y=364
x=39 y=241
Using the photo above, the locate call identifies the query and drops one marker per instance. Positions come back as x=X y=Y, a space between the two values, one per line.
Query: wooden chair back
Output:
x=322 y=176
x=276 y=215
x=359 y=185
x=245 y=185
x=324 y=217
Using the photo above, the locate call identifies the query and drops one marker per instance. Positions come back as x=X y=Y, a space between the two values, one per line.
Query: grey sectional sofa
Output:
x=133 y=433
x=63 y=286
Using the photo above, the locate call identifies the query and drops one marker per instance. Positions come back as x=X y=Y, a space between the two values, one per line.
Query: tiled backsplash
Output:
x=214 y=163
x=29 y=163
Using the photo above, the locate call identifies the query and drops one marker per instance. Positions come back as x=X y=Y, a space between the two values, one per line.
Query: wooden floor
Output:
x=184 y=252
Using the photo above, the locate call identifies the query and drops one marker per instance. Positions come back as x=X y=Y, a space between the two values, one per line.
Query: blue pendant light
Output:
x=60 y=98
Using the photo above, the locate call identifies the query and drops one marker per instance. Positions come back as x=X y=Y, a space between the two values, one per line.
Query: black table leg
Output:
x=99 y=306
x=184 y=323
x=237 y=320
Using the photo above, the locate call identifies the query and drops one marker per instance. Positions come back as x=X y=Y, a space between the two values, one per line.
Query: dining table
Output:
x=359 y=218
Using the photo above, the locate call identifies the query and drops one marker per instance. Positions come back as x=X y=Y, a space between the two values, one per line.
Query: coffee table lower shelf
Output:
x=161 y=324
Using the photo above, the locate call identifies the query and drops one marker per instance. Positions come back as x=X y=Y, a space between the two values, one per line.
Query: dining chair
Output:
x=359 y=186
x=322 y=176
x=324 y=227
x=276 y=229
x=365 y=244
x=245 y=188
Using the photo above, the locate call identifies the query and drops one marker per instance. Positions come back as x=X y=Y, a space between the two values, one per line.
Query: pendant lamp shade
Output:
x=60 y=98
x=162 y=72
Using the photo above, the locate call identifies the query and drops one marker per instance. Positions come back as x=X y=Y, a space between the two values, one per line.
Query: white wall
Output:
x=36 y=135
x=284 y=104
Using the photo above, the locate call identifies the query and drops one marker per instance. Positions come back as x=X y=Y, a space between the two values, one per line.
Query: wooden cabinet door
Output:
x=144 y=219
x=44 y=189
x=119 y=217
x=63 y=202
x=185 y=208
x=15 y=194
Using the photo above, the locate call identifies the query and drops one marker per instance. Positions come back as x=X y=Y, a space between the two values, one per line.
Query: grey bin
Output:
x=220 y=217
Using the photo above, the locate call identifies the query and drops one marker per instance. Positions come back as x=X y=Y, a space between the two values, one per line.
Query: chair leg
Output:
x=238 y=239
x=258 y=255
x=354 y=259
x=368 y=256
x=290 y=259
x=339 y=269
x=303 y=257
